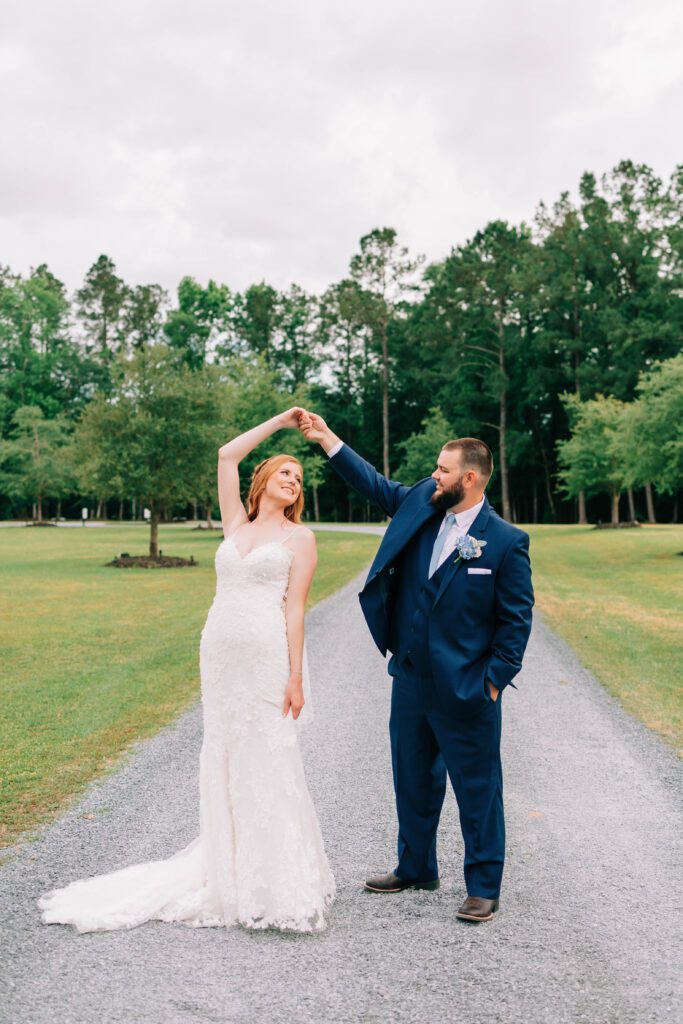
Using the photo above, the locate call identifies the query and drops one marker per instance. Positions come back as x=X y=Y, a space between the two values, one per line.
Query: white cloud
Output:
x=260 y=142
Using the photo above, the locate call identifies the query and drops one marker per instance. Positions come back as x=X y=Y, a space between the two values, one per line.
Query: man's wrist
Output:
x=331 y=444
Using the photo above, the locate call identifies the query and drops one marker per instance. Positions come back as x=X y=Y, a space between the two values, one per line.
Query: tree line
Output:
x=557 y=342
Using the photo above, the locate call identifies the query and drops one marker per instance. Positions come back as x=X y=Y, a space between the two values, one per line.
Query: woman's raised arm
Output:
x=230 y=455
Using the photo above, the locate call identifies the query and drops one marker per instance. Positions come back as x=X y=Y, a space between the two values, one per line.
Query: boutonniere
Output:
x=468 y=547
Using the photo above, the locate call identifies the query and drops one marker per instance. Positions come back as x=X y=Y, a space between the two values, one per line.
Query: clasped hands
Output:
x=310 y=424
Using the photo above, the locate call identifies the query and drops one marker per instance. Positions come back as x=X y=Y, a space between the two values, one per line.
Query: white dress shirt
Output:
x=458 y=529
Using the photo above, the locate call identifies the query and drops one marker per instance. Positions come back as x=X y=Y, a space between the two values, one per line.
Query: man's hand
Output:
x=493 y=691
x=314 y=428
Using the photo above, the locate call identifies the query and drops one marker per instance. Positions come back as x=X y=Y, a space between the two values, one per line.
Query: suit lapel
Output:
x=395 y=542
x=454 y=564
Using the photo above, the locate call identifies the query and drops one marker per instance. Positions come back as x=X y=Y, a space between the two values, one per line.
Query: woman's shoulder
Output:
x=302 y=535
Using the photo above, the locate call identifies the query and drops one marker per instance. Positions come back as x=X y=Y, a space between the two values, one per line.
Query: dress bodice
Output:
x=247 y=620
x=262 y=572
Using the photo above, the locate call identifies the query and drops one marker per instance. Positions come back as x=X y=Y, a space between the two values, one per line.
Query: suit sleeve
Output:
x=514 y=601
x=365 y=479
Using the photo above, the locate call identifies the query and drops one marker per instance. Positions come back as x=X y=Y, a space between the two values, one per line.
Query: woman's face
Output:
x=284 y=485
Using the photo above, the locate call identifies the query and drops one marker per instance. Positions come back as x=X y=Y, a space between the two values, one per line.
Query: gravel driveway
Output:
x=589 y=923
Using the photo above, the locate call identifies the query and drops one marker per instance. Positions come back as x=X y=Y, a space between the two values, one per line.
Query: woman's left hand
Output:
x=291 y=417
x=294 y=698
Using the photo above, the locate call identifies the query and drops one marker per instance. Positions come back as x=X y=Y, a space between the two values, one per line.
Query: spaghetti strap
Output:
x=284 y=540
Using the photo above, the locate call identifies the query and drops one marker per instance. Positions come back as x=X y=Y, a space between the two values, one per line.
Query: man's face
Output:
x=448 y=476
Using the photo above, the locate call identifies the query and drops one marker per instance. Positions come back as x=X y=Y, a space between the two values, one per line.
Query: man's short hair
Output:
x=475 y=455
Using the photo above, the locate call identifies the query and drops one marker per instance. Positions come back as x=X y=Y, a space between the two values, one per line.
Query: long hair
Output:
x=260 y=478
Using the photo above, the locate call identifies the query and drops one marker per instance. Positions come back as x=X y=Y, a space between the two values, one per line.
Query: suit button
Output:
x=391 y=571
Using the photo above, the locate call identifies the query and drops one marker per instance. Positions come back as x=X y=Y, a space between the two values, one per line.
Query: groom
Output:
x=449 y=595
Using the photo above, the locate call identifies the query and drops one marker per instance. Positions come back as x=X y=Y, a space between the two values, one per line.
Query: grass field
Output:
x=94 y=658
x=616 y=596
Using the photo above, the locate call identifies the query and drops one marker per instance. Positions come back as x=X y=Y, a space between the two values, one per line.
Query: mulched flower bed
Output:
x=125 y=561
x=614 y=526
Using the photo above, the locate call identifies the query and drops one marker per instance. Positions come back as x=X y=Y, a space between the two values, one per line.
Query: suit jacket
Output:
x=480 y=622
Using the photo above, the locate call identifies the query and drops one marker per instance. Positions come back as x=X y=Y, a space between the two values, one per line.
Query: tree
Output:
x=592 y=459
x=143 y=314
x=201 y=318
x=386 y=274
x=611 y=283
x=314 y=475
x=648 y=317
x=296 y=336
x=155 y=436
x=101 y=305
x=344 y=338
x=421 y=450
x=35 y=461
x=255 y=319
x=493 y=336
x=566 y=300
x=40 y=364
x=656 y=427
x=481 y=294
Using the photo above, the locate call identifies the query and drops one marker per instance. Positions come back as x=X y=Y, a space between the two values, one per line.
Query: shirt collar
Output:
x=463 y=520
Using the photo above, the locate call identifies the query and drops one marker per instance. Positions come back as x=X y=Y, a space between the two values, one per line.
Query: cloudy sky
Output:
x=259 y=140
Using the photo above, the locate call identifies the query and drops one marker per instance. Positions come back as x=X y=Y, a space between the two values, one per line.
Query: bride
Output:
x=259 y=859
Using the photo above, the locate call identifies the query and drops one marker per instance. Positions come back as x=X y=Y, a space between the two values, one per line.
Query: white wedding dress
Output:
x=259 y=859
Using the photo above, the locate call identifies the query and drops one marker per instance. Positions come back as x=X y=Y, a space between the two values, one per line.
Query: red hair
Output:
x=260 y=478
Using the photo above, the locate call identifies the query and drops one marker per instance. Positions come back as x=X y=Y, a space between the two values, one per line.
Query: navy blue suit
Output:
x=448 y=635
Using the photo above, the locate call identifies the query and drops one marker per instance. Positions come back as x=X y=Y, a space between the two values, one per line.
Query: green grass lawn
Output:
x=94 y=658
x=616 y=596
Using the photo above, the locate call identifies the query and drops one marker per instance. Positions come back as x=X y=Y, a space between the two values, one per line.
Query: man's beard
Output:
x=443 y=500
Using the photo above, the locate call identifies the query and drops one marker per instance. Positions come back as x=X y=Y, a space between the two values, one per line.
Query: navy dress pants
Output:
x=428 y=745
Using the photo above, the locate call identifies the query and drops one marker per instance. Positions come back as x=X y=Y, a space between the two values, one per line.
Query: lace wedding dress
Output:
x=259 y=859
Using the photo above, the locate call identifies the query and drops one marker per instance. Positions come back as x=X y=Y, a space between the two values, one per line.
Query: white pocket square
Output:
x=479 y=572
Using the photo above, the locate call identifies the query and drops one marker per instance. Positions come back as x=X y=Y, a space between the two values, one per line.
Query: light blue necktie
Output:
x=439 y=543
